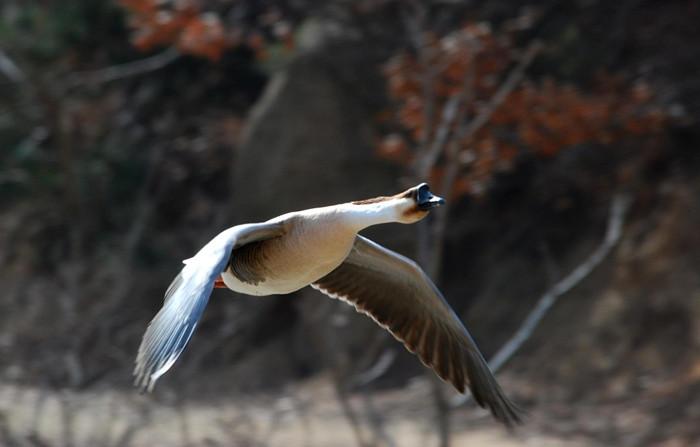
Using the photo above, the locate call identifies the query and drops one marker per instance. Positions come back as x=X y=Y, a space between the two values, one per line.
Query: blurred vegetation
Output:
x=94 y=159
x=122 y=122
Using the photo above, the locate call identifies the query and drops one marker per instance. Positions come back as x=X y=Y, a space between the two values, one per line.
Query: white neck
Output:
x=365 y=215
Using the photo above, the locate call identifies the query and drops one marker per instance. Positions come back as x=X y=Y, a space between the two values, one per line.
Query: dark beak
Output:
x=426 y=200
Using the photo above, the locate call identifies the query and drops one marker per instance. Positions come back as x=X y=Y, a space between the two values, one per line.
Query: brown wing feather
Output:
x=399 y=296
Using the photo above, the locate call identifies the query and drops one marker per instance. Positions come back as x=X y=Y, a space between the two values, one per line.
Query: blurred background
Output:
x=563 y=134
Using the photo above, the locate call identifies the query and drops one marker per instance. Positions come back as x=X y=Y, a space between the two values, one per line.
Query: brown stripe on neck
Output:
x=409 y=193
x=372 y=200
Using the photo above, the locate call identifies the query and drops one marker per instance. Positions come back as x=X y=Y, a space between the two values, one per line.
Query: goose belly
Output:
x=273 y=268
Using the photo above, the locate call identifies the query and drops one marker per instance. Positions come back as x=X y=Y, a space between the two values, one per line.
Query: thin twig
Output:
x=10 y=69
x=373 y=363
x=378 y=369
x=416 y=27
x=449 y=116
x=618 y=209
x=348 y=411
x=512 y=81
x=121 y=71
x=338 y=362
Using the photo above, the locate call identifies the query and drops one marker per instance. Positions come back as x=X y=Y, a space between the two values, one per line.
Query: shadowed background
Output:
x=133 y=131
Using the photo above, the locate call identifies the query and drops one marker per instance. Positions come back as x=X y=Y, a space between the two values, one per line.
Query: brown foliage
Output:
x=183 y=25
x=538 y=118
x=192 y=30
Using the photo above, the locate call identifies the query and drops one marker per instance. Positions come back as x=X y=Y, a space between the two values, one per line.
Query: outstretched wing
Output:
x=398 y=295
x=185 y=300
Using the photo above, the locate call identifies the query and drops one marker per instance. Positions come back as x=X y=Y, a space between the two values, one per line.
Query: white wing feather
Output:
x=185 y=300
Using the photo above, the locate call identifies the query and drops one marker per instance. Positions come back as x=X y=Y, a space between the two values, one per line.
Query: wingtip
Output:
x=503 y=409
x=143 y=383
x=509 y=414
x=140 y=382
x=488 y=394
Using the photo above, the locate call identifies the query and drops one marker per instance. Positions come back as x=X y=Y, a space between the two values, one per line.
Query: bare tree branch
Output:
x=346 y=407
x=618 y=209
x=381 y=366
x=449 y=114
x=121 y=71
x=415 y=23
x=466 y=132
x=506 y=88
x=442 y=410
x=339 y=362
x=449 y=117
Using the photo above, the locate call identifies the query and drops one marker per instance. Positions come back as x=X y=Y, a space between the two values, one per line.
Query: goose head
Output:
x=416 y=203
x=406 y=207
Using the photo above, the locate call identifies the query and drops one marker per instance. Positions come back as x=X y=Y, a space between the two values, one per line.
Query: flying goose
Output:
x=320 y=247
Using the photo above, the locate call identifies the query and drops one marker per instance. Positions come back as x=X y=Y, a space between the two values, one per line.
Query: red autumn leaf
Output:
x=203 y=36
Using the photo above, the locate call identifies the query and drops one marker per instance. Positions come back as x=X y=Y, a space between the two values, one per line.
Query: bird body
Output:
x=315 y=243
x=321 y=248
